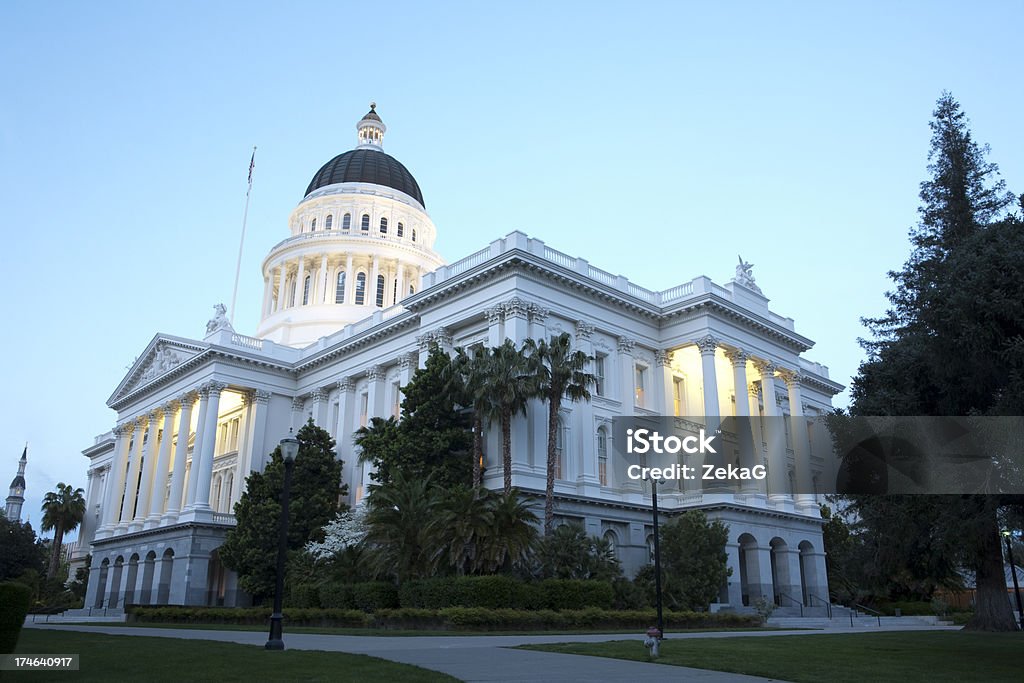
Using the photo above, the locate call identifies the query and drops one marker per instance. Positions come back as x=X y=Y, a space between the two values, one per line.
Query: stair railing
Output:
x=878 y=615
x=828 y=603
x=792 y=599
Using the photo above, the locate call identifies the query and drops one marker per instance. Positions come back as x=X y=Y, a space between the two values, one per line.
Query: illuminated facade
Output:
x=352 y=301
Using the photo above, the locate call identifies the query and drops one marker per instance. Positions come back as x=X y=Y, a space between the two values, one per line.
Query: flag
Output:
x=252 y=165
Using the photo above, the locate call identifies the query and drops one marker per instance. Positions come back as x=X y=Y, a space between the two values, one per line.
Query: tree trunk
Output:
x=478 y=449
x=549 y=490
x=506 y=450
x=58 y=541
x=992 y=611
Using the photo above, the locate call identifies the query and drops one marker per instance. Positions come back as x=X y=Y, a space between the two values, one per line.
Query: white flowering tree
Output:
x=348 y=529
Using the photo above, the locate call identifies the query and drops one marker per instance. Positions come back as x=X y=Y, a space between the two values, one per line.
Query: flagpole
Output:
x=241 y=242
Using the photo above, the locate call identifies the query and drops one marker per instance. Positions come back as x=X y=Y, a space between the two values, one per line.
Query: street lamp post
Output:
x=1013 y=573
x=657 y=557
x=289 y=449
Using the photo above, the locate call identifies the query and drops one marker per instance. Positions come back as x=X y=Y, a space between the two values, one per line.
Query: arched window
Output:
x=339 y=290
x=365 y=223
x=383 y=226
x=559 y=448
x=346 y=221
x=650 y=548
x=328 y=222
x=305 y=290
x=394 y=292
x=602 y=455
x=613 y=541
x=412 y=289
x=401 y=229
x=380 y=291
x=360 y=289
x=312 y=226
x=414 y=234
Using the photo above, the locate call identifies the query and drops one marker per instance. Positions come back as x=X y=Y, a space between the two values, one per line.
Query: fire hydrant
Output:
x=654 y=636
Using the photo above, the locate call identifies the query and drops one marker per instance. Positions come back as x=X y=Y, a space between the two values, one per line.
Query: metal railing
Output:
x=878 y=615
x=799 y=603
x=828 y=603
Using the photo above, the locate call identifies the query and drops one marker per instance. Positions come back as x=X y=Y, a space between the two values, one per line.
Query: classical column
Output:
x=298 y=403
x=159 y=485
x=424 y=342
x=279 y=304
x=400 y=275
x=319 y=397
x=243 y=451
x=374 y=408
x=495 y=317
x=350 y=280
x=538 y=318
x=744 y=427
x=371 y=286
x=180 y=456
x=805 y=500
x=343 y=431
x=778 y=477
x=322 y=280
x=709 y=380
x=197 y=446
x=663 y=380
x=148 y=467
x=268 y=291
x=132 y=480
x=300 y=280
x=209 y=447
x=516 y=320
x=406 y=366
x=115 y=481
x=258 y=430
x=588 y=476
x=627 y=375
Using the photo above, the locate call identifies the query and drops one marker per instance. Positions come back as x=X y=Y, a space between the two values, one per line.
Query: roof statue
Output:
x=219 y=321
x=745 y=275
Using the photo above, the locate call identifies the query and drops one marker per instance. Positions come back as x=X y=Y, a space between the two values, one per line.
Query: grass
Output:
x=131 y=658
x=915 y=657
x=375 y=632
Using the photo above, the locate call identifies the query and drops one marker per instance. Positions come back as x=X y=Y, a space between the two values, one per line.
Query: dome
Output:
x=363 y=165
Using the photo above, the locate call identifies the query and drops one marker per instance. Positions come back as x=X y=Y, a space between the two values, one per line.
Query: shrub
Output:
x=14 y=601
x=428 y=593
x=374 y=595
x=628 y=595
x=337 y=595
x=304 y=595
x=572 y=594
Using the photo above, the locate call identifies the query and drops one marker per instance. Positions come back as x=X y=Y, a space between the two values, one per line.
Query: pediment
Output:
x=161 y=357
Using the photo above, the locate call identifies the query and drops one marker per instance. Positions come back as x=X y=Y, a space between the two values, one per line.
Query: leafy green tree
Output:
x=506 y=392
x=432 y=438
x=569 y=553
x=693 y=562
x=559 y=374
x=20 y=550
x=63 y=511
x=510 y=545
x=951 y=343
x=468 y=376
x=463 y=518
x=251 y=547
x=400 y=527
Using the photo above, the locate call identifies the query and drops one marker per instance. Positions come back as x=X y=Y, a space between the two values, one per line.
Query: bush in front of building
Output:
x=15 y=599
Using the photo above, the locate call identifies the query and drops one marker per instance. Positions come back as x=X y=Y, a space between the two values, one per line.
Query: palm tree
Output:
x=559 y=373
x=467 y=377
x=464 y=519
x=63 y=511
x=513 y=536
x=506 y=390
x=400 y=528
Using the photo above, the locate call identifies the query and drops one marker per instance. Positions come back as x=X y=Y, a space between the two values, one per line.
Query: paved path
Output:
x=485 y=658
x=468 y=658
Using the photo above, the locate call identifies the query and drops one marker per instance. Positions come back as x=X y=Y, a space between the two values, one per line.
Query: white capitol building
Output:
x=353 y=298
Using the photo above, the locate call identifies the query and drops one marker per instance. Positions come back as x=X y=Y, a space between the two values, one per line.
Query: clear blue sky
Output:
x=794 y=134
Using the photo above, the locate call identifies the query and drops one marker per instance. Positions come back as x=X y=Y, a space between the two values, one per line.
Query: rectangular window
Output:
x=678 y=396
x=364 y=404
x=602 y=456
x=599 y=362
x=641 y=384
x=396 y=400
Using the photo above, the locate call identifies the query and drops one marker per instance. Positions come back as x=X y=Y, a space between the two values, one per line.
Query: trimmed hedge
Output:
x=503 y=592
x=15 y=599
x=452 y=618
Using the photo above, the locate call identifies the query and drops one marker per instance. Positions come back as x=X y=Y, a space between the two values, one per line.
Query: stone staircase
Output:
x=845 y=618
x=71 y=616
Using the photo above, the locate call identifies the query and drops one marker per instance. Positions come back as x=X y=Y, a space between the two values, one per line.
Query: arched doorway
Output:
x=216 y=581
x=163 y=591
x=115 y=582
x=133 y=577
x=754 y=579
x=146 y=595
x=101 y=583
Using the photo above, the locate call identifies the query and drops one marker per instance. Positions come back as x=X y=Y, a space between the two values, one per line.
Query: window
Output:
x=305 y=290
x=364 y=404
x=365 y=224
x=312 y=226
x=360 y=289
x=641 y=383
x=339 y=290
x=346 y=222
x=380 y=291
x=394 y=293
x=650 y=548
x=611 y=540
x=291 y=293
x=383 y=226
x=396 y=400
x=414 y=234
x=412 y=290
x=328 y=222
x=559 y=448
x=401 y=229
x=599 y=362
x=602 y=455
x=678 y=396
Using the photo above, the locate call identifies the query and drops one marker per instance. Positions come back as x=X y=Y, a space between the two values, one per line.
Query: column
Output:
x=424 y=342
x=156 y=500
x=343 y=435
x=93 y=481
x=322 y=280
x=400 y=275
x=406 y=365
x=148 y=466
x=298 y=403
x=300 y=280
x=588 y=476
x=538 y=319
x=516 y=321
x=350 y=280
x=115 y=481
x=627 y=375
x=374 y=408
x=268 y=287
x=495 y=317
x=258 y=430
x=805 y=500
x=764 y=587
x=132 y=479
x=280 y=287
x=787 y=570
x=319 y=397
x=197 y=445
x=778 y=478
x=371 y=286
x=209 y=446
x=663 y=380
x=749 y=446
x=244 y=452
x=734 y=582
x=180 y=456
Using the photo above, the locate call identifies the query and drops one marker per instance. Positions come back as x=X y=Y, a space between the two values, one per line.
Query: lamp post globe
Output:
x=289 y=451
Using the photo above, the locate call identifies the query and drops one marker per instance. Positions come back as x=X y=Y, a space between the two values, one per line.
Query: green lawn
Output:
x=838 y=658
x=129 y=658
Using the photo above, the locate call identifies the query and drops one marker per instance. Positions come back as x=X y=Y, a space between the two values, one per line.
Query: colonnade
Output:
x=285 y=286
x=145 y=451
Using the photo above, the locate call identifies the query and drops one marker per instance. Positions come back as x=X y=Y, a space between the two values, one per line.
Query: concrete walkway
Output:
x=468 y=658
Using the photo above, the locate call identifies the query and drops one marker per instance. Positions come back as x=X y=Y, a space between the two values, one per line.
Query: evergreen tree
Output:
x=950 y=344
x=693 y=562
x=314 y=493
